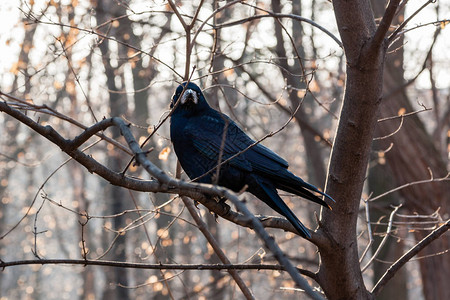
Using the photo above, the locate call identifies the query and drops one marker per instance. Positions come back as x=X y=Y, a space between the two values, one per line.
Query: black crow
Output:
x=202 y=137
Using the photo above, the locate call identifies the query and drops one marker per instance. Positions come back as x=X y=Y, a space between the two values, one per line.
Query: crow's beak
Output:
x=189 y=96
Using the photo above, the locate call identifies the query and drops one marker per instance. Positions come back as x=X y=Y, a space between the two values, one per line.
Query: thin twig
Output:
x=405 y=115
x=280 y=15
x=435 y=23
x=388 y=231
x=392 y=133
x=445 y=178
x=369 y=231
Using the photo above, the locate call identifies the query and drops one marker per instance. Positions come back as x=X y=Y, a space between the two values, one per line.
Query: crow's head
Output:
x=190 y=99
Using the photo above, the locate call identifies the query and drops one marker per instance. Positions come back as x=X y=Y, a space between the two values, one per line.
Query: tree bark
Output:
x=339 y=273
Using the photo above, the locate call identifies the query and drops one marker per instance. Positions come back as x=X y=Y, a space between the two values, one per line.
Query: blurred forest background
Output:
x=71 y=63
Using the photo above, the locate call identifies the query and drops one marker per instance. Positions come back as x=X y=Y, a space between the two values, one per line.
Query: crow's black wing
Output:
x=207 y=135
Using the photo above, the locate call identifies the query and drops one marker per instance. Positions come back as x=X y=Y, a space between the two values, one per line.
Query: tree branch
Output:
x=177 y=13
x=408 y=255
x=393 y=36
x=273 y=247
x=432 y=179
x=279 y=15
x=209 y=17
x=215 y=245
x=116 y=264
x=385 y=23
x=95 y=31
x=25 y=105
x=386 y=236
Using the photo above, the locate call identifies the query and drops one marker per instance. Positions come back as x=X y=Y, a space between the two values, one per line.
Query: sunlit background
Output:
x=63 y=66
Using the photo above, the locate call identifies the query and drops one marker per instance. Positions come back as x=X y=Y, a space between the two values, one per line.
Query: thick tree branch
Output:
x=25 y=105
x=340 y=274
x=385 y=23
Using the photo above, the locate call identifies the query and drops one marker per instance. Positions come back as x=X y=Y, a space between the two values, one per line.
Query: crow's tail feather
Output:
x=302 y=192
x=268 y=194
x=295 y=185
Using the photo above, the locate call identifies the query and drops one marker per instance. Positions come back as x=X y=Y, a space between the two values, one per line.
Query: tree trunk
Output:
x=339 y=273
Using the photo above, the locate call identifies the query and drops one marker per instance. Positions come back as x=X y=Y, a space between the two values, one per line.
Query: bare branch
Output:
x=177 y=13
x=25 y=105
x=197 y=11
x=445 y=178
x=393 y=36
x=392 y=133
x=273 y=247
x=279 y=15
x=441 y=22
x=406 y=114
x=215 y=245
x=385 y=23
x=106 y=263
x=408 y=255
x=424 y=67
x=369 y=232
x=209 y=17
x=94 y=31
x=388 y=231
